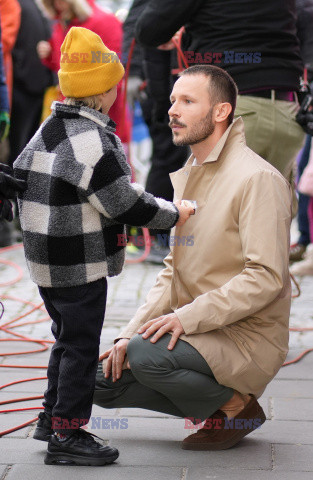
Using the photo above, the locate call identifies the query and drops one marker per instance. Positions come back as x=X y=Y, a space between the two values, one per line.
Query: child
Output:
x=78 y=199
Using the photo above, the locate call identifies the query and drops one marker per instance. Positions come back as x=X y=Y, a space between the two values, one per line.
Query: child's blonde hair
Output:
x=92 y=102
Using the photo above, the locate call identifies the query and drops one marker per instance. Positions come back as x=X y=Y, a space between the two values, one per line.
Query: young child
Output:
x=79 y=198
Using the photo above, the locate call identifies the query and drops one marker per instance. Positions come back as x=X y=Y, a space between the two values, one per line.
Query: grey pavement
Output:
x=150 y=445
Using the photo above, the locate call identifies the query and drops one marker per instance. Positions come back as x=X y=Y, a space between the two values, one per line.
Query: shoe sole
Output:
x=70 y=459
x=225 y=445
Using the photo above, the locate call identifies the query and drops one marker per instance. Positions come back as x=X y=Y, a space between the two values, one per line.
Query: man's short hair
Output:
x=222 y=87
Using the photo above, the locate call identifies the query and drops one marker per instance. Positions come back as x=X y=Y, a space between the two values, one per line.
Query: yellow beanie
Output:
x=87 y=66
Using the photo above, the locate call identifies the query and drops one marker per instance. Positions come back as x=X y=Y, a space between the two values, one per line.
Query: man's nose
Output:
x=173 y=112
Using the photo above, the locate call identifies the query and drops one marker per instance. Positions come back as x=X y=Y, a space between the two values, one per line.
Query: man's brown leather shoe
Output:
x=220 y=432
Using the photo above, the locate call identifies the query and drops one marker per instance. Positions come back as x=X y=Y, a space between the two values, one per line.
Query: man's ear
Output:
x=222 y=111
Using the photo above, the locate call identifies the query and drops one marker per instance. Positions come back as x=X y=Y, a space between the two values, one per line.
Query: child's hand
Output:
x=43 y=49
x=185 y=210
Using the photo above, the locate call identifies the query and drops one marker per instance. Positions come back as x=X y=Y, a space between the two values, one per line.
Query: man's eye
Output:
x=188 y=101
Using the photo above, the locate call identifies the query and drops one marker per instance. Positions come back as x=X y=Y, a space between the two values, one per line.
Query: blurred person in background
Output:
x=153 y=67
x=305 y=24
x=84 y=13
x=305 y=266
x=10 y=15
x=30 y=77
x=4 y=100
x=9 y=23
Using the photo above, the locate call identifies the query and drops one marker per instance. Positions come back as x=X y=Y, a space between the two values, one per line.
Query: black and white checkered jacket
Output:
x=78 y=199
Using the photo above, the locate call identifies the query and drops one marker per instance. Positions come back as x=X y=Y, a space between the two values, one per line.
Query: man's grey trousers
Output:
x=177 y=382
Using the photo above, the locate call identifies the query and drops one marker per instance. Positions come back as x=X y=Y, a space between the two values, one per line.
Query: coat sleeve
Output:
x=264 y=229
x=158 y=301
x=161 y=19
x=112 y=194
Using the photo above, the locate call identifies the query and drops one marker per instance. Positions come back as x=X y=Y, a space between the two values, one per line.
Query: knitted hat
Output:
x=87 y=66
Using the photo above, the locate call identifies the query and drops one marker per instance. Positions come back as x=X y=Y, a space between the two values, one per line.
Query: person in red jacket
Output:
x=84 y=13
x=10 y=16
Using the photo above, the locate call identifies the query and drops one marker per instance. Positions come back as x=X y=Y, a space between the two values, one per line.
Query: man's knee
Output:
x=139 y=352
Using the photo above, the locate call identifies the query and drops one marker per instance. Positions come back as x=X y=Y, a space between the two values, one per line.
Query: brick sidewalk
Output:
x=150 y=445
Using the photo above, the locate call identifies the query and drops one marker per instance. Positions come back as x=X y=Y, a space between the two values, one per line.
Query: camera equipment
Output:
x=305 y=115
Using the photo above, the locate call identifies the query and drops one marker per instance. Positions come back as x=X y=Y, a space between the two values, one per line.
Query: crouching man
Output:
x=214 y=329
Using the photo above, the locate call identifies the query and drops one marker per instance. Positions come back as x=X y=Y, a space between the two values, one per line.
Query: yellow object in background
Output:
x=52 y=94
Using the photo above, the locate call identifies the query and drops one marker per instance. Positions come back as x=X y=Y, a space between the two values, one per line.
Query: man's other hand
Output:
x=116 y=356
x=161 y=325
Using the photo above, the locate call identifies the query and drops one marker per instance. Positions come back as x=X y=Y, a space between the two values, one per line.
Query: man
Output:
x=257 y=44
x=214 y=329
x=153 y=66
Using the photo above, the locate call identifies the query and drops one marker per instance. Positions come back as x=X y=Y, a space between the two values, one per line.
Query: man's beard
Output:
x=200 y=132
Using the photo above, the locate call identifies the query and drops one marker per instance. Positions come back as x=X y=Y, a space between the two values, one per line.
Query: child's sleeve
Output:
x=112 y=194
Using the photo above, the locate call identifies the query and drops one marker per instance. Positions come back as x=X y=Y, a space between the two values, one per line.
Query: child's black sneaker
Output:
x=80 y=448
x=43 y=430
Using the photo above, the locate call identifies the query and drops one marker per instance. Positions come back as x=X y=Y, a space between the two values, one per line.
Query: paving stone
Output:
x=296 y=458
x=19 y=451
x=3 y=469
x=303 y=370
x=249 y=454
x=292 y=389
x=293 y=409
x=209 y=473
x=142 y=429
x=281 y=431
x=4 y=396
x=108 y=472
x=11 y=420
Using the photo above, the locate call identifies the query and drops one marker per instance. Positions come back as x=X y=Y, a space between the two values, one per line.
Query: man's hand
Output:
x=185 y=210
x=161 y=325
x=43 y=49
x=170 y=45
x=116 y=356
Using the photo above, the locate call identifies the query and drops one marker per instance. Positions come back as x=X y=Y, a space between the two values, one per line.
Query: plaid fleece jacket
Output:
x=79 y=198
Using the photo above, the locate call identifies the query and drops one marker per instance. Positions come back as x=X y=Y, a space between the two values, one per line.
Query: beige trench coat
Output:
x=231 y=289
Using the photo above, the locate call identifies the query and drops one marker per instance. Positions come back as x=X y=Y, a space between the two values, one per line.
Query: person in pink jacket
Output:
x=84 y=13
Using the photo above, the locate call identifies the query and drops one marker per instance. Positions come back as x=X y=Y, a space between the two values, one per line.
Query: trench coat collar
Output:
x=235 y=129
